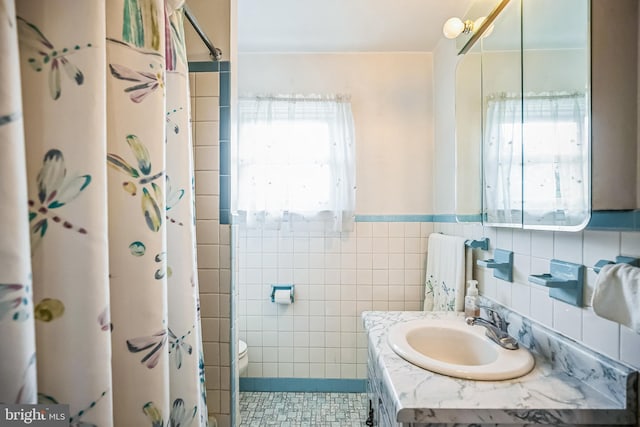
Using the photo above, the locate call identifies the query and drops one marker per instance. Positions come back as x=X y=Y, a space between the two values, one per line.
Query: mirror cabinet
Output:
x=548 y=155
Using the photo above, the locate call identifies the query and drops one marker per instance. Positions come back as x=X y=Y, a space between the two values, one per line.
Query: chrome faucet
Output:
x=496 y=328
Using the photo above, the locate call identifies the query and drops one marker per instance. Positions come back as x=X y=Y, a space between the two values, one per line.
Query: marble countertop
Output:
x=547 y=395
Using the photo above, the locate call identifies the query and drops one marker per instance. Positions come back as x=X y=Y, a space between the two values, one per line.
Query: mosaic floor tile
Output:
x=259 y=409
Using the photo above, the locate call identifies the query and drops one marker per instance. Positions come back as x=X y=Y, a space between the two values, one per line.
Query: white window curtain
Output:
x=296 y=162
x=544 y=160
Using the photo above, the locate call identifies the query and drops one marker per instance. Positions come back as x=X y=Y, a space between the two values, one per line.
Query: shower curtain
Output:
x=98 y=279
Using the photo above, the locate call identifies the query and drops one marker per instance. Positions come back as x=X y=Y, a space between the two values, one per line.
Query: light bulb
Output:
x=453 y=28
x=478 y=23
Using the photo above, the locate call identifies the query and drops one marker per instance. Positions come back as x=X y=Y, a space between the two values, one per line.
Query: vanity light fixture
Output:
x=455 y=26
x=481 y=27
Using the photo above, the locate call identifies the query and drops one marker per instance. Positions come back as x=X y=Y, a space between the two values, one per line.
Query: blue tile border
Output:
x=203 y=66
x=225 y=157
x=225 y=89
x=600 y=220
x=419 y=218
x=224 y=138
x=615 y=220
x=445 y=218
x=225 y=123
x=323 y=385
x=394 y=218
x=469 y=218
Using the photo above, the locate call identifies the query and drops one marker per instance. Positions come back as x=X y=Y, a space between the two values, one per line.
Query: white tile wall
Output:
x=532 y=252
x=379 y=266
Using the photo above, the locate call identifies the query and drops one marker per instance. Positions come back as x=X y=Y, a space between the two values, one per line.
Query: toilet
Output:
x=243 y=357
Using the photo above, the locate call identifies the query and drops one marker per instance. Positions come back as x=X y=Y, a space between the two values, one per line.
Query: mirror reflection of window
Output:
x=556 y=149
x=554 y=183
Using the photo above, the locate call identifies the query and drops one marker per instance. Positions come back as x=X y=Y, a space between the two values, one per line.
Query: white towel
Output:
x=617 y=295
x=446 y=273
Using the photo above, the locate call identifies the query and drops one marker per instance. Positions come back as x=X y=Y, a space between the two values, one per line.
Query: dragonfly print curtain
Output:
x=98 y=284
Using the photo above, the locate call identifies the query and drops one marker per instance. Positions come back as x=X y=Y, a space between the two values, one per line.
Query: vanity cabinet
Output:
x=570 y=385
x=379 y=407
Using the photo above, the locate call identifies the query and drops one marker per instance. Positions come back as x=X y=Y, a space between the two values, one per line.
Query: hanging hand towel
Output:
x=444 y=286
x=617 y=295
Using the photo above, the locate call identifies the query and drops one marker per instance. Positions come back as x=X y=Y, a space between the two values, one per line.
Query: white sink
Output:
x=451 y=347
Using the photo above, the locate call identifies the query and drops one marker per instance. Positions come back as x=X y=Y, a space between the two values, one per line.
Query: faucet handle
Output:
x=496 y=318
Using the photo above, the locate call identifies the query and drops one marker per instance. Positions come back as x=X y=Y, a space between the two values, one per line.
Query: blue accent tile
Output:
x=225 y=123
x=469 y=218
x=225 y=217
x=224 y=141
x=445 y=218
x=225 y=192
x=225 y=89
x=225 y=158
x=600 y=220
x=394 y=218
x=325 y=385
x=613 y=220
x=203 y=67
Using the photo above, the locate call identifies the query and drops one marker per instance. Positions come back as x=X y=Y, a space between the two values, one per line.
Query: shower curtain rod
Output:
x=214 y=52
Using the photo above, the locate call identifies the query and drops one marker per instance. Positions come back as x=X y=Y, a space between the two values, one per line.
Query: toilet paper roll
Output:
x=282 y=296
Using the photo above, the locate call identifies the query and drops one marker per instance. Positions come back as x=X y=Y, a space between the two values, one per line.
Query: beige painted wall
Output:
x=392 y=102
x=213 y=17
x=444 y=81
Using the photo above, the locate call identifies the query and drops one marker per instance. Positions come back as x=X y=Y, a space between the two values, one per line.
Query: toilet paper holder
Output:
x=275 y=288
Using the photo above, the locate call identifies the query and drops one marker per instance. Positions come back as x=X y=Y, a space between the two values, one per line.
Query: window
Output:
x=296 y=161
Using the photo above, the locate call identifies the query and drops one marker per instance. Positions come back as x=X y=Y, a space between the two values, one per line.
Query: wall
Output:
x=444 y=159
x=213 y=271
x=392 y=103
x=214 y=19
x=378 y=266
x=213 y=239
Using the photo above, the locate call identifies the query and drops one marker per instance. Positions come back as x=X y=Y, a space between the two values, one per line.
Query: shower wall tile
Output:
x=207 y=158
x=206 y=133
x=207 y=84
x=207 y=206
x=207 y=109
x=213 y=243
x=532 y=252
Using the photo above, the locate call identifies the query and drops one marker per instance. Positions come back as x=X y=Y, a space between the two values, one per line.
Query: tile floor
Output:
x=259 y=409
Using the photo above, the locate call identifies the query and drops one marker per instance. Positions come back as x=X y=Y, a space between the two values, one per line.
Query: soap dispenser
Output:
x=471 y=308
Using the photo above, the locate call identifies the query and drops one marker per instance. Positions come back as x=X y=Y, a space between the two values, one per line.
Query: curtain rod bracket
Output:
x=214 y=52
